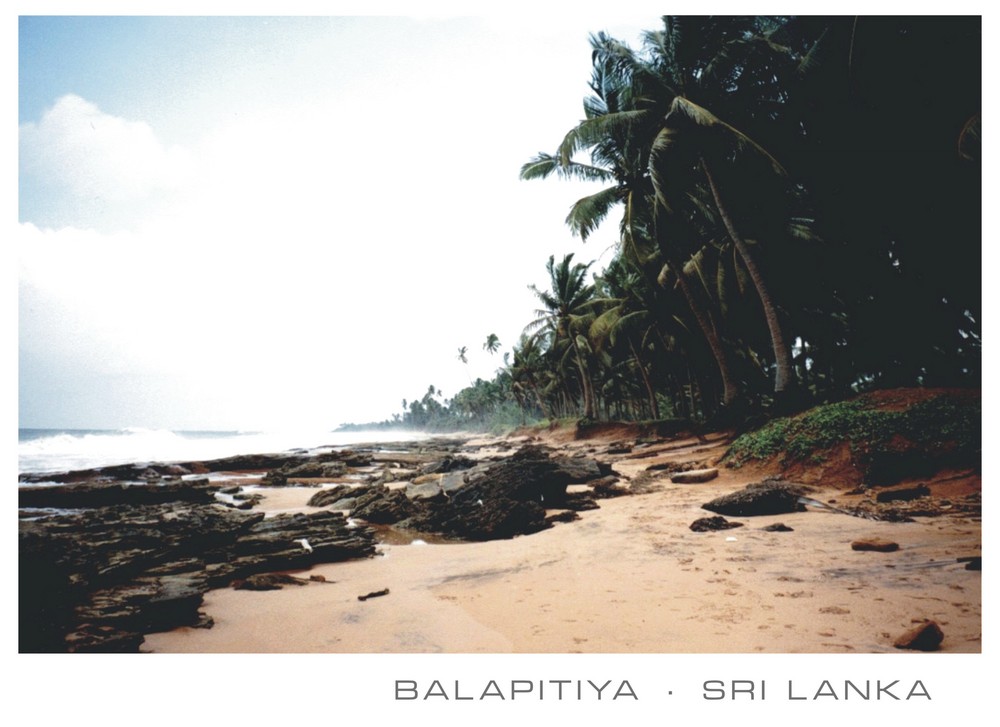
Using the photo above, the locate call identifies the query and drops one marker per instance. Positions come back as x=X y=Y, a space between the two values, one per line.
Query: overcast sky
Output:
x=260 y=223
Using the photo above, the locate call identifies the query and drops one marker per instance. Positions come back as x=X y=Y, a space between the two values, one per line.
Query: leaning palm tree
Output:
x=623 y=117
x=737 y=68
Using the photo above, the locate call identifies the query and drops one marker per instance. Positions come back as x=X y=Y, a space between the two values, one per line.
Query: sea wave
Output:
x=41 y=451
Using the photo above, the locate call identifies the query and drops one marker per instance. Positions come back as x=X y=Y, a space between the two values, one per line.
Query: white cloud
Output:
x=96 y=155
x=321 y=252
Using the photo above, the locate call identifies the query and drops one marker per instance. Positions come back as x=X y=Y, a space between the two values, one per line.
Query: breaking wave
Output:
x=60 y=450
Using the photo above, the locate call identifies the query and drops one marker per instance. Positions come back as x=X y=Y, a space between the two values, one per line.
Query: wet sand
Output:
x=630 y=577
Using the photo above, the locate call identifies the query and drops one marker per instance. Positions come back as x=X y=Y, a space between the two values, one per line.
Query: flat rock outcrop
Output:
x=98 y=578
x=101 y=494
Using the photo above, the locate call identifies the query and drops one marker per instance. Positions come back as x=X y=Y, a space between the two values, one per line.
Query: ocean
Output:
x=60 y=450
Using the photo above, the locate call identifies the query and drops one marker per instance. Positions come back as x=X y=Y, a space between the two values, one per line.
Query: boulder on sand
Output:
x=694 y=476
x=770 y=497
x=925 y=637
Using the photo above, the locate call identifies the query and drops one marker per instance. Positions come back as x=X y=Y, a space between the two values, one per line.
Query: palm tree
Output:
x=627 y=316
x=622 y=119
x=528 y=367
x=738 y=68
x=492 y=343
x=681 y=110
x=567 y=313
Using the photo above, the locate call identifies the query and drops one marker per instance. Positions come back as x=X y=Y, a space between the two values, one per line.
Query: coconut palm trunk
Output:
x=730 y=389
x=654 y=406
x=784 y=375
x=585 y=384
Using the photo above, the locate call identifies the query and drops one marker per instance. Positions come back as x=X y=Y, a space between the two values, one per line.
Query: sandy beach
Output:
x=629 y=577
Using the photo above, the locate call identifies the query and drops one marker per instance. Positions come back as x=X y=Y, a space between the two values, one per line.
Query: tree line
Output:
x=798 y=207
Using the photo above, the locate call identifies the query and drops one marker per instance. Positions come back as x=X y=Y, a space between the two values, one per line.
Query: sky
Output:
x=273 y=222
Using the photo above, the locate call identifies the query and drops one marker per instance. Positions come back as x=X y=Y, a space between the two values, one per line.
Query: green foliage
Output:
x=936 y=423
x=755 y=271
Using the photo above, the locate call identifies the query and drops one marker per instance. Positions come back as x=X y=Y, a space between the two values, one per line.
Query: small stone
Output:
x=925 y=637
x=317 y=578
x=694 y=476
x=837 y=610
x=875 y=544
x=717 y=522
x=778 y=528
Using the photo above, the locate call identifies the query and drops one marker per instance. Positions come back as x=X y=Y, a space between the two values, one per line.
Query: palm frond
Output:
x=811 y=57
x=694 y=266
x=544 y=165
x=705 y=118
x=659 y=157
x=801 y=229
x=541 y=166
x=590 y=132
x=587 y=213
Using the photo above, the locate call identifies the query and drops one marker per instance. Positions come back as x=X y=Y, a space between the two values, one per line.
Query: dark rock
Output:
x=903 y=494
x=506 y=498
x=96 y=494
x=771 y=497
x=349 y=457
x=244 y=463
x=346 y=503
x=447 y=464
x=580 y=501
x=875 y=544
x=606 y=487
x=266 y=582
x=330 y=495
x=480 y=518
x=245 y=501
x=97 y=579
x=97 y=639
x=275 y=478
x=305 y=470
x=778 y=528
x=383 y=506
x=374 y=594
x=425 y=491
x=717 y=522
x=925 y=637
x=566 y=516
